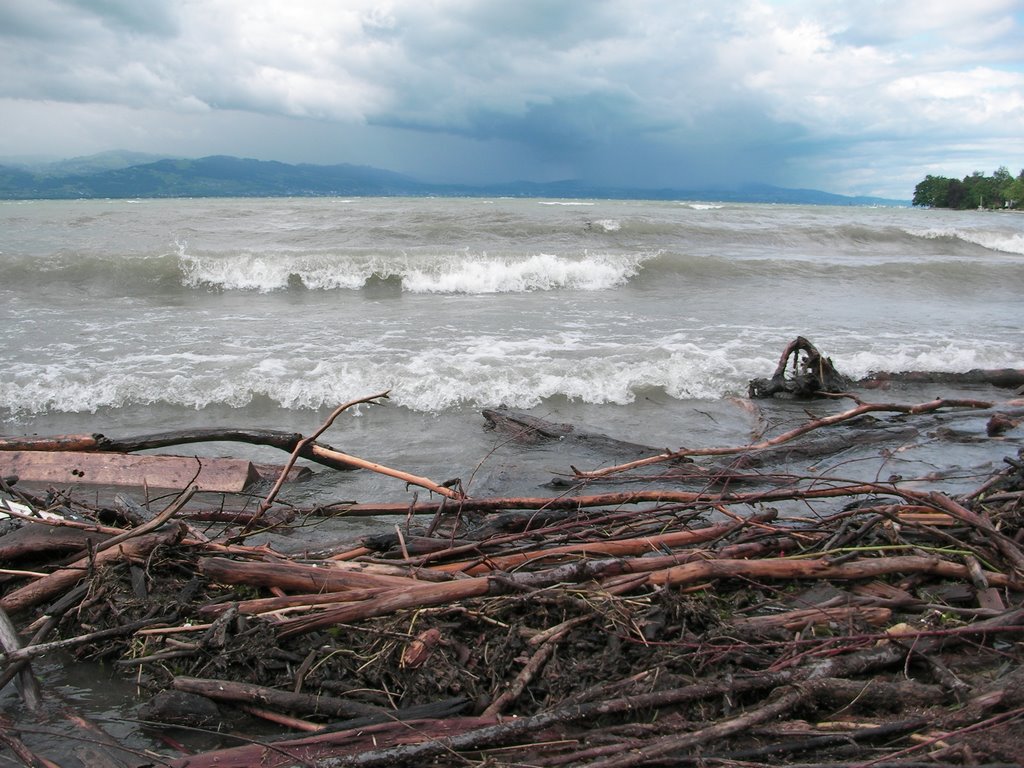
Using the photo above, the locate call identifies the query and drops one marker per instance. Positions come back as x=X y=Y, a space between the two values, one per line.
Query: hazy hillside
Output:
x=129 y=175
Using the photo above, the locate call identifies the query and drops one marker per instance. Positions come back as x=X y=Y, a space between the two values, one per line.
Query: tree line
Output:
x=1000 y=190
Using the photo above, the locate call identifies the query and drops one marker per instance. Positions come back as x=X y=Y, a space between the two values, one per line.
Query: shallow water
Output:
x=634 y=317
x=641 y=320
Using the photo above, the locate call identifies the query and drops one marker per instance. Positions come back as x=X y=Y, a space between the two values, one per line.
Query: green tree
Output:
x=1000 y=190
x=1015 y=192
x=932 y=192
x=956 y=194
x=1004 y=181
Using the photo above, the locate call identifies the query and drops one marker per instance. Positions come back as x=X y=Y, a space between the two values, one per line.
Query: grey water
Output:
x=638 y=318
x=643 y=320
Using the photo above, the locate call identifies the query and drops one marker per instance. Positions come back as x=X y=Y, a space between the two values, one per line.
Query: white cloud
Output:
x=640 y=88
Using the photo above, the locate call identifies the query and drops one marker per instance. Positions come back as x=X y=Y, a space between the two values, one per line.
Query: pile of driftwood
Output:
x=688 y=624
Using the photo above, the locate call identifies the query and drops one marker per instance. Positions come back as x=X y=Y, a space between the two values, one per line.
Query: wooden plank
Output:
x=122 y=469
x=270 y=473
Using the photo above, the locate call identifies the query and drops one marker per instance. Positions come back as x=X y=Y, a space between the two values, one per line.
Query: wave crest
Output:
x=418 y=273
x=1004 y=242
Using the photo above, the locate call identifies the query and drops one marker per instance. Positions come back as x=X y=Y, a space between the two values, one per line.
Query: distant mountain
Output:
x=130 y=175
x=217 y=176
x=104 y=161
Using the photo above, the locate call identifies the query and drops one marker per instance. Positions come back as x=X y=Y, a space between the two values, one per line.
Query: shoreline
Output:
x=564 y=608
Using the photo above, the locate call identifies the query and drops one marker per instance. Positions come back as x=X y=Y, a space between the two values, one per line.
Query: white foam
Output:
x=938 y=356
x=563 y=202
x=608 y=225
x=541 y=272
x=482 y=371
x=704 y=206
x=1005 y=242
x=267 y=272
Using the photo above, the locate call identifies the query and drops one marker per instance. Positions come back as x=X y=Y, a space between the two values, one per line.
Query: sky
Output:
x=848 y=96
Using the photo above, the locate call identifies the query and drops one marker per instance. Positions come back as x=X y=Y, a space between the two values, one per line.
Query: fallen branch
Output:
x=228 y=690
x=826 y=421
x=295 y=576
x=305 y=444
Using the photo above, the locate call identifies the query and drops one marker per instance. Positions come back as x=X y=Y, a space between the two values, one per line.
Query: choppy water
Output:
x=637 y=318
x=133 y=316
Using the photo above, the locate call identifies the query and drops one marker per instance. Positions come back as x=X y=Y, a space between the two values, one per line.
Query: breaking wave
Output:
x=1003 y=242
x=478 y=371
x=460 y=273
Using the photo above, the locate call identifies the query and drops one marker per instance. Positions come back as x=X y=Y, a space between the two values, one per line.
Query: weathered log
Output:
x=785 y=700
x=38 y=540
x=295 y=444
x=304 y=703
x=428 y=739
x=56 y=443
x=28 y=686
x=801 y=618
x=320 y=748
x=272 y=604
x=285 y=441
x=856 y=412
x=1003 y=378
x=616 y=499
x=524 y=428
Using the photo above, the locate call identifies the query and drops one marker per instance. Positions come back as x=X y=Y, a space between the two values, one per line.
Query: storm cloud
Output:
x=853 y=97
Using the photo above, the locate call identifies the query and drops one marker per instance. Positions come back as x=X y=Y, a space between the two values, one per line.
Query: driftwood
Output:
x=304 y=703
x=36 y=540
x=635 y=627
x=854 y=413
x=294 y=576
x=168 y=472
x=285 y=441
x=28 y=687
x=524 y=428
x=1003 y=378
x=812 y=374
x=241 y=475
x=58 y=581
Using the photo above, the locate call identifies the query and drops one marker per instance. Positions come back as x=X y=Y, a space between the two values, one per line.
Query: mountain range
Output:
x=133 y=175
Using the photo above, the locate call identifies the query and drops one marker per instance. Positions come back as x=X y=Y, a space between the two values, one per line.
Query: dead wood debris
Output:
x=882 y=627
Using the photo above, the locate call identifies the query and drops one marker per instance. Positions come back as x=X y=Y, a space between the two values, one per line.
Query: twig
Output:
x=31 y=651
x=301 y=445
